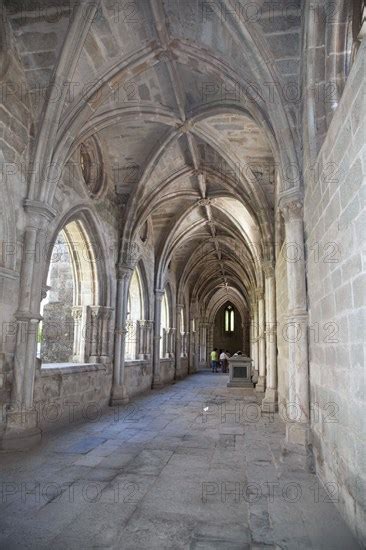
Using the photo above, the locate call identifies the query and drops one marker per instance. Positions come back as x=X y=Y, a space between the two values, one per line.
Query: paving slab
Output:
x=168 y=478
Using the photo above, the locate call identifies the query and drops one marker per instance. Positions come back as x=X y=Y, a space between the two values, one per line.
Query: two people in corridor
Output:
x=219 y=359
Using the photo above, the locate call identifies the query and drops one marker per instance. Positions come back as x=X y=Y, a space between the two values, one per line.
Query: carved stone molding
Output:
x=291 y=205
x=204 y=202
x=40 y=212
x=124 y=270
x=268 y=268
x=186 y=127
x=259 y=292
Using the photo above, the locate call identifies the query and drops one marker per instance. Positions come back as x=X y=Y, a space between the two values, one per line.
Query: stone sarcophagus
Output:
x=240 y=372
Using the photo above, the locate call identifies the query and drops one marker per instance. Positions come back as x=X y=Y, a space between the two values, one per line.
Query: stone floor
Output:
x=191 y=466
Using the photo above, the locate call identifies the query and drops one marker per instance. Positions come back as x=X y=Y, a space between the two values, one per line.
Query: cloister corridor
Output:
x=182 y=274
x=190 y=466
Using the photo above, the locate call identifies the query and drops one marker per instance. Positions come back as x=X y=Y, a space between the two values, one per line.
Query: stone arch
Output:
x=97 y=246
x=78 y=295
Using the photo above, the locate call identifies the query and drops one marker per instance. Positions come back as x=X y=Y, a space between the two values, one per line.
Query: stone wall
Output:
x=166 y=371
x=138 y=377
x=183 y=368
x=15 y=141
x=282 y=312
x=67 y=395
x=335 y=228
x=232 y=342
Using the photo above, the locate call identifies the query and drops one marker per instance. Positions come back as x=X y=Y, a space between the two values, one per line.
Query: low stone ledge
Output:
x=137 y=362
x=50 y=369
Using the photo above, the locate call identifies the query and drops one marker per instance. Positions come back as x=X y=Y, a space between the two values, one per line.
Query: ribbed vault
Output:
x=195 y=142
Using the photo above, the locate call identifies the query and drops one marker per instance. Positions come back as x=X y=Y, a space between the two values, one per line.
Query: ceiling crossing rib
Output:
x=176 y=83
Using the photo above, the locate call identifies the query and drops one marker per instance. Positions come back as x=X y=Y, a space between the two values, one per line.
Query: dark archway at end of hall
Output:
x=228 y=329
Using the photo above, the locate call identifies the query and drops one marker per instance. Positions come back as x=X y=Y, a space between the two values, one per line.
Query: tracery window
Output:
x=69 y=305
x=229 y=319
x=164 y=325
x=135 y=314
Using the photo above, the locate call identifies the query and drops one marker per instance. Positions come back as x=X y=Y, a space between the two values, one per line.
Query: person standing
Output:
x=214 y=359
x=223 y=361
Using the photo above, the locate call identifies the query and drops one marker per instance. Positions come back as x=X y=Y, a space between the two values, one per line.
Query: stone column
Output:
x=97 y=334
x=105 y=344
x=149 y=339
x=251 y=352
x=297 y=431
x=119 y=390
x=179 y=340
x=171 y=343
x=140 y=339
x=196 y=347
x=77 y=314
x=21 y=420
x=210 y=341
x=270 y=402
x=255 y=337
x=203 y=343
x=93 y=333
x=185 y=344
x=156 y=382
x=261 y=385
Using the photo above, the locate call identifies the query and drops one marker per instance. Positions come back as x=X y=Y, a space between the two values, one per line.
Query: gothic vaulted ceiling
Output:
x=190 y=104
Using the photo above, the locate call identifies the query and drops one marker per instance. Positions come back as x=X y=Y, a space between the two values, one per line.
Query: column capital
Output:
x=259 y=292
x=268 y=268
x=291 y=205
x=159 y=293
x=124 y=270
x=40 y=213
x=77 y=312
x=44 y=291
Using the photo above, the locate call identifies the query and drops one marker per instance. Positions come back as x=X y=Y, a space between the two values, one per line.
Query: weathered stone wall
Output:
x=182 y=369
x=282 y=312
x=138 y=377
x=223 y=340
x=63 y=396
x=166 y=371
x=335 y=227
x=15 y=141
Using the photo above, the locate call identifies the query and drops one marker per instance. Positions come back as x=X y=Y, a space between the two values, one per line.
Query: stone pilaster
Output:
x=255 y=355
x=156 y=382
x=179 y=340
x=119 y=391
x=97 y=344
x=21 y=420
x=261 y=384
x=270 y=401
x=291 y=205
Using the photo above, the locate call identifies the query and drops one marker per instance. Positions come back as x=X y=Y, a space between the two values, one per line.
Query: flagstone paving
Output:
x=191 y=466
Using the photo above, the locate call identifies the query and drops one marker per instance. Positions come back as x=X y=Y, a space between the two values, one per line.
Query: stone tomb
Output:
x=240 y=372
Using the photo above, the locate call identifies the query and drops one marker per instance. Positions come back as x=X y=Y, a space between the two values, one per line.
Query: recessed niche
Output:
x=91 y=165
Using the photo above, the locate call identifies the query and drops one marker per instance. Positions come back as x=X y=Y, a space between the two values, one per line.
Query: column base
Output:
x=270 y=401
x=261 y=384
x=21 y=432
x=157 y=385
x=119 y=396
x=296 y=447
